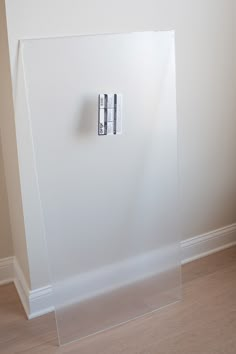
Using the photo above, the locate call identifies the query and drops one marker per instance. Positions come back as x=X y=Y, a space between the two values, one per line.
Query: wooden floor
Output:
x=203 y=323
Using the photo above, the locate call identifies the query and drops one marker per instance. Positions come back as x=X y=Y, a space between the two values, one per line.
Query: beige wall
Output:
x=9 y=151
x=205 y=95
x=6 y=248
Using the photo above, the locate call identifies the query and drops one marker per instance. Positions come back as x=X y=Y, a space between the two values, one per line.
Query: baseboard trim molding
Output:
x=6 y=270
x=36 y=302
x=21 y=287
x=39 y=301
x=211 y=242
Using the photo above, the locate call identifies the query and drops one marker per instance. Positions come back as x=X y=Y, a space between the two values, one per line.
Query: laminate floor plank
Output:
x=204 y=322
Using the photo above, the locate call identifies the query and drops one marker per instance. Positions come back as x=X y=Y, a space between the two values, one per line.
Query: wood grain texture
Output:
x=204 y=322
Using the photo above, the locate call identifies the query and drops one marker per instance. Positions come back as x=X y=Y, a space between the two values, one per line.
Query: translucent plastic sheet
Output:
x=109 y=203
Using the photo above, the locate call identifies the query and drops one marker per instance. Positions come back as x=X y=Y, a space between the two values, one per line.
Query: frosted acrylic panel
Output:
x=109 y=202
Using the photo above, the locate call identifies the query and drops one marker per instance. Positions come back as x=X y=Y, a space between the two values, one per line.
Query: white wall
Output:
x=9 y=151
x=207 y=125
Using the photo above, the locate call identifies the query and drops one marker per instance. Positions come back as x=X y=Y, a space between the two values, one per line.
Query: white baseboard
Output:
x=208 y=243
x=39 y=301
x=36 y=302
x=6 y=270
x=21 y=287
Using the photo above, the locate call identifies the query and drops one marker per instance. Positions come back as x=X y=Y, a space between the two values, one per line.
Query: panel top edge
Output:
x=170 y=32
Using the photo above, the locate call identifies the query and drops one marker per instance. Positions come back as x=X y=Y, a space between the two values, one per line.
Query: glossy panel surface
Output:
x=109 y=203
